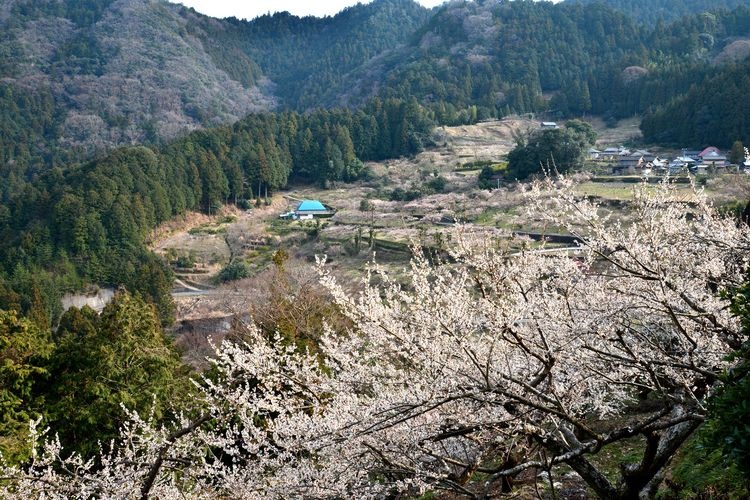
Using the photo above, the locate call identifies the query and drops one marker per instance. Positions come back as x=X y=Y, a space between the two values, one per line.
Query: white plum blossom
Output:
x=487 y=360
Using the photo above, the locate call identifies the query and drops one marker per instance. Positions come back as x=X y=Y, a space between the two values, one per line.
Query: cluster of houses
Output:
x=641 y=162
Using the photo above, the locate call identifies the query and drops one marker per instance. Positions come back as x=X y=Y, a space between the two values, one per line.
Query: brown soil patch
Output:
x=487 y=140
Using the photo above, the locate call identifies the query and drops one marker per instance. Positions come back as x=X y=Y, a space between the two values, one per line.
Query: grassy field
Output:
x=622 y=191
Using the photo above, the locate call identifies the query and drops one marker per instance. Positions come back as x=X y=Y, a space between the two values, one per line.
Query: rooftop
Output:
x=710 y=149
x=311 y=206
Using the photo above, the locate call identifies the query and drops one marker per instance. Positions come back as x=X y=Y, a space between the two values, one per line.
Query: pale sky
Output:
x=249 y=9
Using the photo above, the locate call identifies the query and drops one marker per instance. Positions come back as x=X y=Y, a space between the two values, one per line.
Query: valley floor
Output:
x=369 y=227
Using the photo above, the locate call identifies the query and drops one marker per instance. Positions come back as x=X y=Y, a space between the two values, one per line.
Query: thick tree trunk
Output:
x=640 y=480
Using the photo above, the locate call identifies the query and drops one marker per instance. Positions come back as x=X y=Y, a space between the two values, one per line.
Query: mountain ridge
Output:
x=80 y=77
x=132 y=75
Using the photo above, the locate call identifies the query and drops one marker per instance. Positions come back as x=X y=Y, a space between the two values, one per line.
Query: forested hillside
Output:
x=714 y=112
x=501 y=57
x=481 y=59
x=83 y=76
x=648 y=12
x=88 y=224
x=681 y=55
x=305 y=57
x=79 y=77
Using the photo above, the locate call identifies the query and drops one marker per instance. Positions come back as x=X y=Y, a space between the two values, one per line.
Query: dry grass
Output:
x=627 y=130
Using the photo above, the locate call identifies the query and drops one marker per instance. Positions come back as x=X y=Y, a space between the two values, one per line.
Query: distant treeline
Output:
x=717 y=112
x=648 y=11
x=89 y=223
x=479 y=60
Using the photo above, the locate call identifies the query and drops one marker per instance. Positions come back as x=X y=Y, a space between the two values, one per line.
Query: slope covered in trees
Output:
x=501 y=56
x=650 y=11
x=683 y=54
x=83 y=76
x=715 y=112
x=474 y=60
x=95 y=74
x=305 y=57
x=89 y=223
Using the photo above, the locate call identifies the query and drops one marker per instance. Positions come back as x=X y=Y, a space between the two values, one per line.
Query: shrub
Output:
x=236 y=270
x=400 y=194
x=437 y=184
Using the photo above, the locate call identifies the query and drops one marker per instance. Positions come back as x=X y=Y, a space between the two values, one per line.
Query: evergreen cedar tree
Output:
x=24 y=352
x=80 y=377
x=102 y=363
x=471 y=373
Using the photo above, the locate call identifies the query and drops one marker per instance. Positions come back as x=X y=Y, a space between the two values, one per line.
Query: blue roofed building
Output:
x=312 y=208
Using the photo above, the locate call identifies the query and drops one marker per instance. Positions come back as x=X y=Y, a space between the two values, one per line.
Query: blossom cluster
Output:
x=487 y=360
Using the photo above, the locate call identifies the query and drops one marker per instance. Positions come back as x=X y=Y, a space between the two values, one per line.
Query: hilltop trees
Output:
x=563 y=148
x=492 y=364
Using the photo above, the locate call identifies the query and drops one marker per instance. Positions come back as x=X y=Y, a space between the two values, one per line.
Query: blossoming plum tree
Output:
x=491 y=362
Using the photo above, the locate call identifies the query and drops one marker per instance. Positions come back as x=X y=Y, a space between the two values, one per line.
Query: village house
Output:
x=309 y=209
x=631 y=163
x=611 y=154
x=659 y=165
x=594 y=154
x=681 y=164
x=712 y=157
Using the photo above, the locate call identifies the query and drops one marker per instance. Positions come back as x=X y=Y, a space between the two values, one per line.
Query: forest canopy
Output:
x=88 y=224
